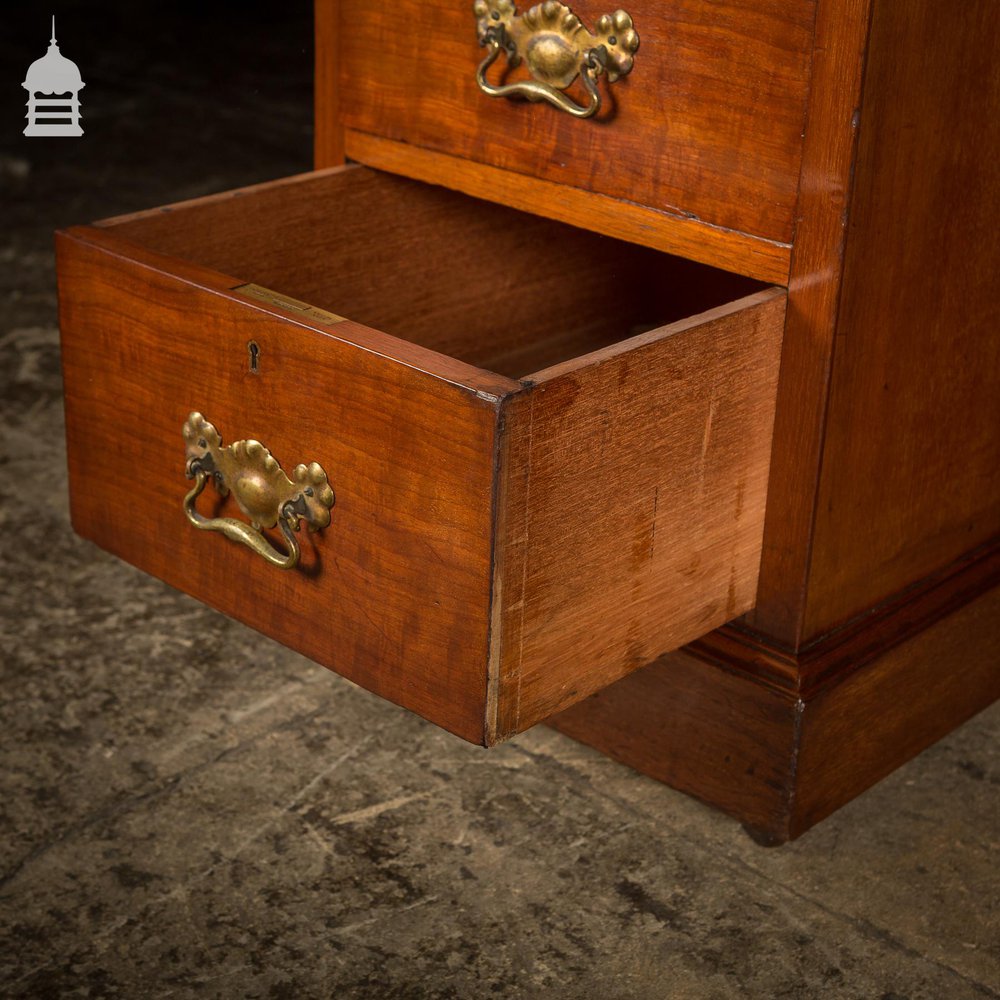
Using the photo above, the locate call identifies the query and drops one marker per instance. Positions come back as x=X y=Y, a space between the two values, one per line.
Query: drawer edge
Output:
x=487 y=385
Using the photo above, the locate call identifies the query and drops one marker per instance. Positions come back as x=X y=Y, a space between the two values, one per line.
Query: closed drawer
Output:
x=699 y=146
x=549 y=450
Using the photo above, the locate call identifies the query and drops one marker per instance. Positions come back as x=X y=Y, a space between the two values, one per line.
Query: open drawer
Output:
x=549 y=450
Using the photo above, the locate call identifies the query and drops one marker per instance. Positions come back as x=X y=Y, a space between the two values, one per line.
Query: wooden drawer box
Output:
x=549 y=449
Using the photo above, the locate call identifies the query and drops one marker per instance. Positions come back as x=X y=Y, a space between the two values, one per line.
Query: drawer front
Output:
x=707 y=126
x=499 y=547
x=394 y=593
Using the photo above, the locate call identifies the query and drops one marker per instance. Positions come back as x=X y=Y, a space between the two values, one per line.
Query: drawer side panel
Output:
x=636 y=482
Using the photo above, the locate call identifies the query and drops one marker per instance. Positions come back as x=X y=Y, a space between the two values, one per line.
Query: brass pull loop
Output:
x=261 y=490
x=556 y=49
x=238 y=531
x=535 y=91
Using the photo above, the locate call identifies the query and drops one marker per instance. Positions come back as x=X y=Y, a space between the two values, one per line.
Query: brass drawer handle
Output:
x=261 y=489
x=556 y=48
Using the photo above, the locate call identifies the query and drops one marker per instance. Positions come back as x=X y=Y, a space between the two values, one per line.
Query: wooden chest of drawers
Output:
x=530 y=365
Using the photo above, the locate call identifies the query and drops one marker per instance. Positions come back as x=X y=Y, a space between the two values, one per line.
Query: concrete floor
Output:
x=190 y=810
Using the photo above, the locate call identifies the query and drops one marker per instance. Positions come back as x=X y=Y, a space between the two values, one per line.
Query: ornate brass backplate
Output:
x=556 y=48
x=260 y=488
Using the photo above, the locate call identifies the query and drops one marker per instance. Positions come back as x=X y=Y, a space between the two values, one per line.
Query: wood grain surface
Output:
x=633 y=485
x=328 y=133
x=856 y=732
x=720 y=736
x=708 y=124
x=829 y=658
x=825 y=187
x=524 y=292
x=400 y=593
x=780 y=760
x=911 y=462
x=395 y=593
x=671 y=232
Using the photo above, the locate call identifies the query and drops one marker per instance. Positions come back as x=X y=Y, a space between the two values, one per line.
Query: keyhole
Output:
x=253 y=348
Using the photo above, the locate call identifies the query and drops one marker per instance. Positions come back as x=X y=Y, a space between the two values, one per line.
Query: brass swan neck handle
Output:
x=260 y=488
x=556 y=48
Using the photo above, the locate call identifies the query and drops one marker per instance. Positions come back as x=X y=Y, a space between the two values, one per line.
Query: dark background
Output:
x=181 y=99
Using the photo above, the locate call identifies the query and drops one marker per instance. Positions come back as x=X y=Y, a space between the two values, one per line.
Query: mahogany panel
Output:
x=328 y=134
x=813 y=297
x=911 y=463
x=395 y=593
x=702 y=729
x=708 y=124
x=856 y=732
x=781 y=760
x=829 y=658
x=632 y=503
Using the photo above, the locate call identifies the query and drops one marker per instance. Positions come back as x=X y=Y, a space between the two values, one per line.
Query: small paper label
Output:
x=287 y=302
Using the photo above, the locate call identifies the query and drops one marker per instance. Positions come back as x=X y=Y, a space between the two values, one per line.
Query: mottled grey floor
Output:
x=190 y=810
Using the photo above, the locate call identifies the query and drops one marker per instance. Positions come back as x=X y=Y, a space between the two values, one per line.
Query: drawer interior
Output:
x=495 y=288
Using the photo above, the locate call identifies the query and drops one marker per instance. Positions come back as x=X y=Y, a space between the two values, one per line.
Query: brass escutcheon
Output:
x=556 y=48
x=260 y=488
